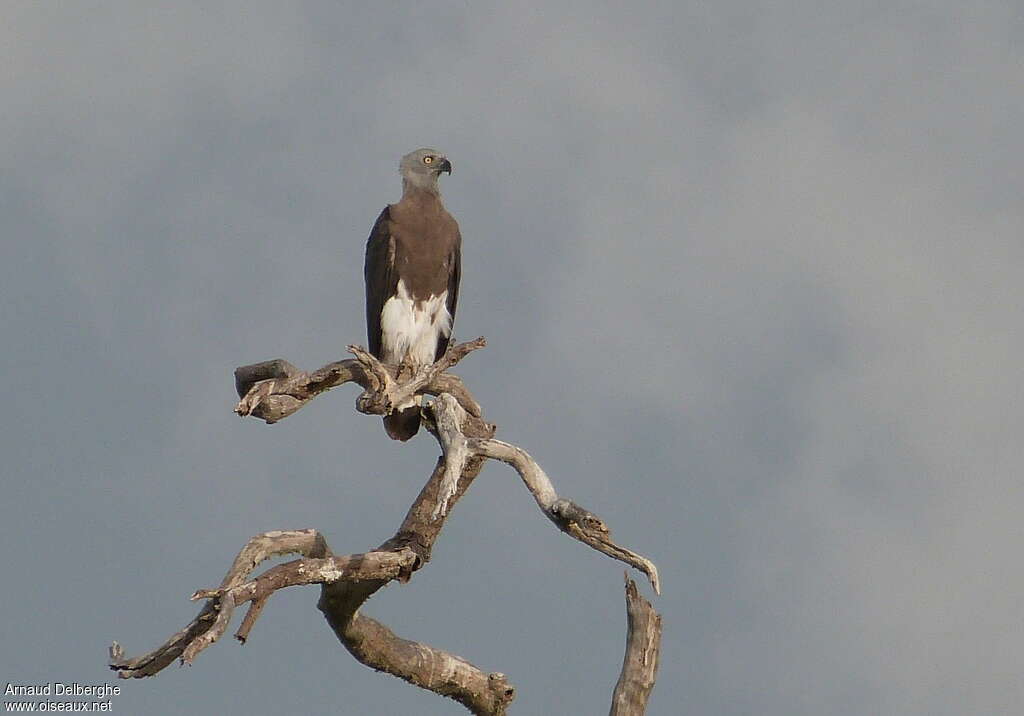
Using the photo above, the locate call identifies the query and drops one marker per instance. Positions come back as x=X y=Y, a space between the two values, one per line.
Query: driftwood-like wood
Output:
x=643 y=650
x=274 y=390
x=566 y=514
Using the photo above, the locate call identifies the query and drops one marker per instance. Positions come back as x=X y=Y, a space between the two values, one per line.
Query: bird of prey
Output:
x=413 y=262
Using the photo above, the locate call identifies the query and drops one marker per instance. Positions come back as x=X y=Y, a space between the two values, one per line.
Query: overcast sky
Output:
x=750 y=275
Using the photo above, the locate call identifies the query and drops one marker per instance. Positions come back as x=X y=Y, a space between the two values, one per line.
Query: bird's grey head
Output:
x=420 y=169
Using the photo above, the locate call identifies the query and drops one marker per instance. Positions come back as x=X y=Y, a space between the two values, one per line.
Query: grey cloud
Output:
x=797 y=228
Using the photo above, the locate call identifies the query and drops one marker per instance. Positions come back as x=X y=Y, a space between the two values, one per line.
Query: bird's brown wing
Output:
x=454 y=276
x=381 y=277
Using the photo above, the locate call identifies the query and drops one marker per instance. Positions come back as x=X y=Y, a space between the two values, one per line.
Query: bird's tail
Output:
x=403 y=423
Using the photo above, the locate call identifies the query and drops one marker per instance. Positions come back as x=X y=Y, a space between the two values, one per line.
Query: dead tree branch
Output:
x=566 y=514
x=643 y=649
x=274 y=390
x=309 y=543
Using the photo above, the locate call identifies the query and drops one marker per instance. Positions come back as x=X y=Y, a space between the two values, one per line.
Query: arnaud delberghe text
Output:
x=59 y=688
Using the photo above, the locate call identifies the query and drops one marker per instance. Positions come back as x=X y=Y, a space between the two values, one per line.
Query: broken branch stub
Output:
x=643 y=652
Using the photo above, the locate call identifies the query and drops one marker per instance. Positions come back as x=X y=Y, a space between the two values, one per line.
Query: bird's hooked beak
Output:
x=445 y=166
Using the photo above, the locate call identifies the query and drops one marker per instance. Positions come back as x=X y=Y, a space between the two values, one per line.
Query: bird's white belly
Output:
x=410 y=329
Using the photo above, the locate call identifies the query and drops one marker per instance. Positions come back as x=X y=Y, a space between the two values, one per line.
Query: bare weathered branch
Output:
x=275 y=398
x=269 y=544
x=308 y=543
x=448 y=429
x=640 y=663
x=567 y=515
x=378 y=647
x=215 y=617
x=591 y=530
x=273 y=390
x=327 y=570
x=248 y=375
x=345 y=587
x=394 y=385
x=372 y=566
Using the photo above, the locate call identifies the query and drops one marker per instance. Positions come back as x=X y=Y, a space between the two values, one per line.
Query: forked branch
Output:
x=273 y=390
x=566 y=514
x=309 y=543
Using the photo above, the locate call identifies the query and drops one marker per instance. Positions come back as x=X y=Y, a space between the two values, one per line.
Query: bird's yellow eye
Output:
x=428 y=159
